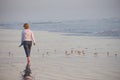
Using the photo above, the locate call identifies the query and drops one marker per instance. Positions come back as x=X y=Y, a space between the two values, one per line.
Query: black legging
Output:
x=27 y=46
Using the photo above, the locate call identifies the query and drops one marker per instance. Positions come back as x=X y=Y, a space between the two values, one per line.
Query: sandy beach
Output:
x=60 y=57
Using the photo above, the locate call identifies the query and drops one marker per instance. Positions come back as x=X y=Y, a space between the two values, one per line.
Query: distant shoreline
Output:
x=69 y=34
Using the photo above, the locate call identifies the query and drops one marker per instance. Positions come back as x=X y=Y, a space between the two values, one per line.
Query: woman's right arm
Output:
x=33 y=38
x=22 y=34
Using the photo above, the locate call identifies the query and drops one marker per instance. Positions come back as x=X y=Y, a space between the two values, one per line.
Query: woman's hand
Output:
x=20 y=45
x=34 y=44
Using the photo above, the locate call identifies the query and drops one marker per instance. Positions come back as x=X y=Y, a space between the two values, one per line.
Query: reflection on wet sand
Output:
x=27 y=73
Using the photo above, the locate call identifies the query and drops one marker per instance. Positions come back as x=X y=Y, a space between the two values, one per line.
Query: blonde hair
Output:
x=26 y=26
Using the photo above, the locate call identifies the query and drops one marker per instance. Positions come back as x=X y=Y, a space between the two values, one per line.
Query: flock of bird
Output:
x=69 y=52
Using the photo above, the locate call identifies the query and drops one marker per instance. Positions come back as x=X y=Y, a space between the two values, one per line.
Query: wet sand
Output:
x=59 y=57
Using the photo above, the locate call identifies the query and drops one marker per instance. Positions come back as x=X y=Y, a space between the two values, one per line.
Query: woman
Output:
x=26 y=40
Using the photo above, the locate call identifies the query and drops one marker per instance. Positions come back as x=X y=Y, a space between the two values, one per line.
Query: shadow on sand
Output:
x=27 y=73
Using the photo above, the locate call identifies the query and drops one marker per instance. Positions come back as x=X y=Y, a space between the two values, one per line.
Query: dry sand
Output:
x=59 y=57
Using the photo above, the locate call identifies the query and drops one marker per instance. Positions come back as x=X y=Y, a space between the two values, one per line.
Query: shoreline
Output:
x=67 y=33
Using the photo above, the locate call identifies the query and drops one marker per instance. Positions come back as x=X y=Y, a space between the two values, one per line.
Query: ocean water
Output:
x=101 y=27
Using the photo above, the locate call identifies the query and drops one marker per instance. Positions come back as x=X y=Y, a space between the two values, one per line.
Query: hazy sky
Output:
x=39 y=10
